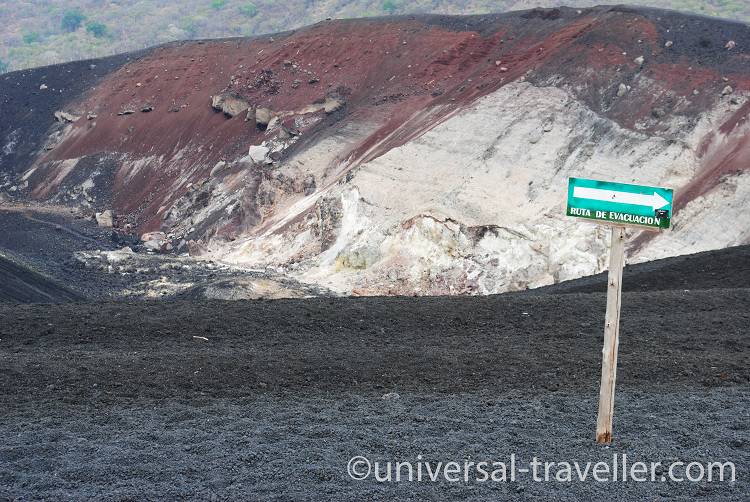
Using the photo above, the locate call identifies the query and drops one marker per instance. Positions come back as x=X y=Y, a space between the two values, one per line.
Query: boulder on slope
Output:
x=156 y=241
x=105 y=219
x=332 y=105
x=232 y=104
x=257 y=153
x=62 y=116
x=263 y=117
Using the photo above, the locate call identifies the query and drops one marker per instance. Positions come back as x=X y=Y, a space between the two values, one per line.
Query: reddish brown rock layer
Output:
x=404 y=76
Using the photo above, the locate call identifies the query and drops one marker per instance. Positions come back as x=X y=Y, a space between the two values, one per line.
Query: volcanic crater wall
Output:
x=419 y=154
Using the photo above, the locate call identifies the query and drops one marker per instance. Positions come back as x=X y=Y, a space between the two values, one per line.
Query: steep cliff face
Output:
x=405 y=155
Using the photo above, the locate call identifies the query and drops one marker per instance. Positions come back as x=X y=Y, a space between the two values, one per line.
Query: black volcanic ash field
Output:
x=120 y=401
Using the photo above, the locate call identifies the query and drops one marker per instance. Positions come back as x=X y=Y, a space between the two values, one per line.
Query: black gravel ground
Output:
x=21 y=284
x=724 y=268
x=123 y=402
x=42 y=243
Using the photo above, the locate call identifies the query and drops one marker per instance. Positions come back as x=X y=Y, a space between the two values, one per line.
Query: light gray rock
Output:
x=62 y=116
x=263 y=117
x=156 y=241
x=257 y=153
x=332 y=105
x=219 y=167
x=230 y=103
x=105 y=219
x=153 y=236
x=153 y=245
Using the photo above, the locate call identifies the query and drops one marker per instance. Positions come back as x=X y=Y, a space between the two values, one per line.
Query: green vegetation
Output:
x=191 y=27
x=31 y=37
x=99 y=30
x=72 y=20
x=249 y=10
x=35 y=33
x=3 y=66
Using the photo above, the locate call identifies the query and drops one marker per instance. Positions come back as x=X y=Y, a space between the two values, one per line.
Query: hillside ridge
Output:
x=288 y=151
x=79 y=29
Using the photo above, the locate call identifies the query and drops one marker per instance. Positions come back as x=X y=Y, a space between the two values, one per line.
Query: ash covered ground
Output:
x=270 y=399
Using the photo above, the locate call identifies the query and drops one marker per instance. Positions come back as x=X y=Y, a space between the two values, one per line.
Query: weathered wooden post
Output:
x=611 y=337
x=618 y=205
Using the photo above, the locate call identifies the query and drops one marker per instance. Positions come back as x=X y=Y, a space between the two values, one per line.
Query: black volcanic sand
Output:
x=725 y=268
x=43 y=243
x=121 y=402
x=23 y=285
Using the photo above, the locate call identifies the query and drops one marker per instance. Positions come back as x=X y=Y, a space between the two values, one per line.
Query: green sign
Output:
x=620 y=203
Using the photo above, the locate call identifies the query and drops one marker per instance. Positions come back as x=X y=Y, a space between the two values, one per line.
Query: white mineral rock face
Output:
x=476 y=205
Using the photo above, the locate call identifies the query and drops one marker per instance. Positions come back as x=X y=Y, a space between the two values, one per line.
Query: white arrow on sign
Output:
x=654 y=200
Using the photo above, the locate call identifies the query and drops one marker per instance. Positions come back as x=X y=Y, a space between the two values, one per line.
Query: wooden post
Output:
x=611 y=337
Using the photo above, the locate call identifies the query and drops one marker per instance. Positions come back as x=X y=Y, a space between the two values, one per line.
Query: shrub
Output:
x=31 y=37
x=72 y=20
x=3 y=66
x=99 y=30
x=218 y=4
x=249 y=10
x=191 y=27
x=389 y=6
